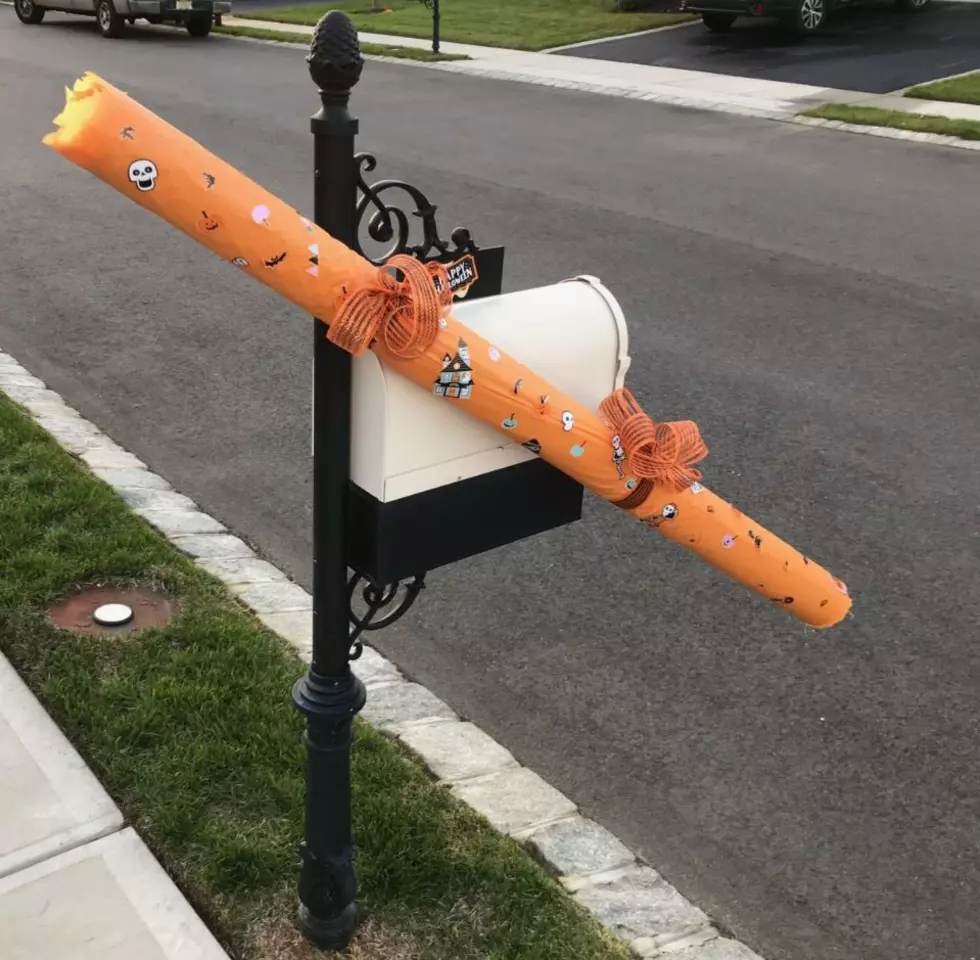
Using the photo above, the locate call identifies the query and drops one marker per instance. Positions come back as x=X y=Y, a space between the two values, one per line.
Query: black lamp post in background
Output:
x=433 y=5
x=330 y=694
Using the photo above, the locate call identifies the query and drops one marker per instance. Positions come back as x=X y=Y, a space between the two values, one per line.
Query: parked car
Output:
x=804 y=16
x=197 y=16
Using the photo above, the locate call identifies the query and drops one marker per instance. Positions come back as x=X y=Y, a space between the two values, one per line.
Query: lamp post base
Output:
x=328 y=914
x=334 y=934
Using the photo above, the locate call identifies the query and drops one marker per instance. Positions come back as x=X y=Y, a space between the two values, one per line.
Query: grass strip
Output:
x=957 y=90
x=371 y=49
x=516 y=24
x=191 y=729
x=876 y=117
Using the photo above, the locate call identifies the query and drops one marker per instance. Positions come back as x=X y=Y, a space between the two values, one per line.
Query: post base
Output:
x=334 y=934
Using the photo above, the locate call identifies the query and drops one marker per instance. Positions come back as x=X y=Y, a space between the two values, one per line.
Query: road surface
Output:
x=809 y=298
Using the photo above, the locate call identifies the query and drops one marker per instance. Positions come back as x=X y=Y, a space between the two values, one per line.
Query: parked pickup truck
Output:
x=804 y=16
x=197 y=16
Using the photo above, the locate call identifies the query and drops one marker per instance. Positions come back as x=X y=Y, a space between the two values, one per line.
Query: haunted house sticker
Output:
x=456 y=378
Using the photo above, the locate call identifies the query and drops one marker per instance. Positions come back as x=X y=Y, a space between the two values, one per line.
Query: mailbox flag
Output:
x=402 y=313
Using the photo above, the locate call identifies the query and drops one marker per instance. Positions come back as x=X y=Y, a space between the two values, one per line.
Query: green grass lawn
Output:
x=876 y=117
x=372 y=49
x=519 y=24
x=959 y=90
x=191 y=729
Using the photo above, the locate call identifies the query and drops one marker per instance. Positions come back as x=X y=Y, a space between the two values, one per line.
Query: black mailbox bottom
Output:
x=392 y=541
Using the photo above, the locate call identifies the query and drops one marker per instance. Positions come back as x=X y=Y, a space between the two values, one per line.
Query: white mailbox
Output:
x=421 y=467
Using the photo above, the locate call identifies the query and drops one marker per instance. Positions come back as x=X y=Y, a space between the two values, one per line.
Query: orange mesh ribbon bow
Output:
x=406 y=312
x=660 y=452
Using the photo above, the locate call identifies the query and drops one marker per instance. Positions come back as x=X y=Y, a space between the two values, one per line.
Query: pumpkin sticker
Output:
x=208 y=224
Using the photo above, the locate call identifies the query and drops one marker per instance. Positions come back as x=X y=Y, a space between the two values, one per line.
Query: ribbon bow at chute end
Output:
x=663 y=453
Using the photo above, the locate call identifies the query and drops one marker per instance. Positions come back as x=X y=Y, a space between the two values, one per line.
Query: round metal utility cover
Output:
x=113 y=614
x=114 y=610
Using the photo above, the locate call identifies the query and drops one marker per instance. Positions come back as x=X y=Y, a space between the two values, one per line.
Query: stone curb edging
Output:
x=626 y=895
x=891 y=133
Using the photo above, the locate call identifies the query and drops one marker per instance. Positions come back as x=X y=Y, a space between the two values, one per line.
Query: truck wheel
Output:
x=717 y=22
x=810 y=17
x=911 y=6
x=199 y=26
x=110 y=23
x=27 y=12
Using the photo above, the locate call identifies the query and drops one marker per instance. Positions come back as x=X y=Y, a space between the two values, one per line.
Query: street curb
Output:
x=603 y=875
x=890 y=133
x=630 y=36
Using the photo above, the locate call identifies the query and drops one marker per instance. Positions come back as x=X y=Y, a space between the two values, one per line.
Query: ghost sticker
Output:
x=144 y=174
x=619 y=455
x=567 y=420
x=494 y=354
x=208 y=181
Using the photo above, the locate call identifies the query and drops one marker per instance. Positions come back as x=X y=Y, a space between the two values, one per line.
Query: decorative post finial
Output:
x=334 y=59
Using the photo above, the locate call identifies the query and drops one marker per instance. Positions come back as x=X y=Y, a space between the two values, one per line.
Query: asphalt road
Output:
x=873 y=48
x=809 y=298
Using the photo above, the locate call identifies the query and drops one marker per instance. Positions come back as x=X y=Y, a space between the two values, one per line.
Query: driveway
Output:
x=875 y=49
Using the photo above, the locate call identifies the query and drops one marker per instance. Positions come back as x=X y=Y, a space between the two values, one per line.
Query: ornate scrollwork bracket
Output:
x=378 y=599
x=389 y=224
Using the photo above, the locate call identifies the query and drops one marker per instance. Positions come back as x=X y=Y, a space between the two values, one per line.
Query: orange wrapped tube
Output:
x=619 y=453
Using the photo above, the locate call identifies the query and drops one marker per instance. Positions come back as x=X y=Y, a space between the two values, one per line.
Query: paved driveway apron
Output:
x=874 y=49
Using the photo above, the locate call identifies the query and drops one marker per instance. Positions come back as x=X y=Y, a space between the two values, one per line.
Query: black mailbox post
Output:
x=356 y=539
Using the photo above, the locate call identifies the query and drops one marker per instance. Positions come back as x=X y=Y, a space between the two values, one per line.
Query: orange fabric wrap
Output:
x=644 y=467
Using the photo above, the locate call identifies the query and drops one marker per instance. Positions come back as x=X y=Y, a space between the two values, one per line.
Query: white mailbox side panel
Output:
x=406 y=440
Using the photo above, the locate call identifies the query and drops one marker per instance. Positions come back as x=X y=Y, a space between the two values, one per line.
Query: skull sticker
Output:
x=144 y=174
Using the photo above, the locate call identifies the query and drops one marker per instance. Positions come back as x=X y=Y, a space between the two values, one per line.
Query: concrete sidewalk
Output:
x=75 y=882
x=415 y=43
x=929 y=108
